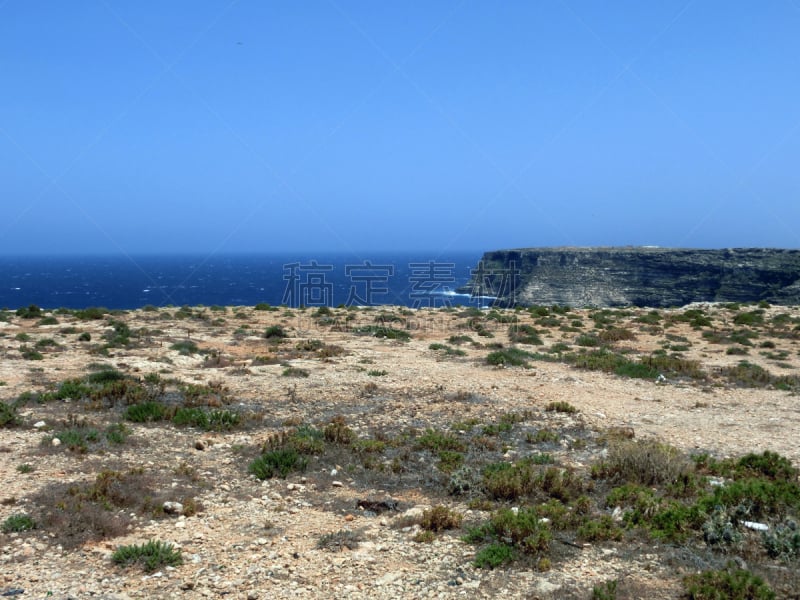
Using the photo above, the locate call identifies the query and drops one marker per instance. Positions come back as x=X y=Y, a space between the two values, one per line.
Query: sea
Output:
x=412 y=279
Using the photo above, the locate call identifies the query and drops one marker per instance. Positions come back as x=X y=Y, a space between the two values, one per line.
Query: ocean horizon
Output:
x=413 y=279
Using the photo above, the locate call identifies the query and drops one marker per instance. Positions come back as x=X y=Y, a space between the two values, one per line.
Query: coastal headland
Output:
x=637 y=276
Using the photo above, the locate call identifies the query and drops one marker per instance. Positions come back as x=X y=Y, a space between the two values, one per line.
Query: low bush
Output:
x=783 y=541
x=277 y=463
x=494 y=555
x=29 y=312
x=275 y=332
x=150 y=556
x=145 y=412
x=8 y=415
x=17 y=523
x=440 y=518
x=337 y=432
x=513 y=357
x=210 y=420
x=520 y=530
x=524 y=334
x=295 y=372
x=93 y=313
x=436 y=441
x=562 y=407
x=730 y=583
x=185 y=347
x=646 y=462
x=381 y=331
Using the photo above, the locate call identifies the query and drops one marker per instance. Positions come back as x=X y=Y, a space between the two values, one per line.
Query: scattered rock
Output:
x=377 y=507
x=173 y=508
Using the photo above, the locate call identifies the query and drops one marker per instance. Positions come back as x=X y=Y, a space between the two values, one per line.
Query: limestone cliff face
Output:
x=637 y=276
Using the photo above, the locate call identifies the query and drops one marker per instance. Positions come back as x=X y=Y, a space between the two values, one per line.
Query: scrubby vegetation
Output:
x=519 y=474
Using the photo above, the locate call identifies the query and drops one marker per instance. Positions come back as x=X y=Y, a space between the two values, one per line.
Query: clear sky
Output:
x=269 y=126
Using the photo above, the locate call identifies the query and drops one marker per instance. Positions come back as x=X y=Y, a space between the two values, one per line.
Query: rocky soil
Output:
x=349 y=524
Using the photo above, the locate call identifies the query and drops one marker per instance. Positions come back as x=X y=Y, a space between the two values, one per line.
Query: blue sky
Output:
x=263 y=126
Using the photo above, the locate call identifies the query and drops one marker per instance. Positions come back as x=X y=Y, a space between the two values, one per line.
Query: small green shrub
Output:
x=513 y=357
x=117 y=433
x=150 y=556
x=562 y=407
x=145 y=412
x=523 y=528
x=381 y=331
x=307 y=440
x=29 y=353
x=524 y=334
x=377 y=372
x=494 y=555
x=337 y=432
x=605 y=591
x=275 y=332
x=93 y=313
x=440 y=518
x=783 y=541
x=295 y=372
x=8 y=415
x=448 y=350
x=185 y=347
x=25 y=468
x=449 y=461
x=436 y=441
x=17 y=523
x=646 y=462
x=767 y=464
x=29 y=312
x=599 y=529
x=542 y=436
x=587 y=340
x=424 y=537
x=753 y=317
x=730 y=583
x=507 y=481
x=616 y=334
x=277 y=463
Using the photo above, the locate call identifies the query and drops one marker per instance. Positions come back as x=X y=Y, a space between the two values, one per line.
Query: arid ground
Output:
x=394 y=453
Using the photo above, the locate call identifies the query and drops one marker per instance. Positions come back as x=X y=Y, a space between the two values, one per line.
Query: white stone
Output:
x=173 y=508
x=755 y=526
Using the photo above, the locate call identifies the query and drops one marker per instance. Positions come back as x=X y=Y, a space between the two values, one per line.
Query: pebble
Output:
x=55 y=442
x=337 y=484
x=172 y=508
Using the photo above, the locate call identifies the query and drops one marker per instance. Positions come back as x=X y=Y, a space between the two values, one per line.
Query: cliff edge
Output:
x=636 y=276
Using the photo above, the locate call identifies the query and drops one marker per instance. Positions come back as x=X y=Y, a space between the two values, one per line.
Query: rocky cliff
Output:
x=637 y=276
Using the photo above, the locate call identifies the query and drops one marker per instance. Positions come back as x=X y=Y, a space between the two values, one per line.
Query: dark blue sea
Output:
x=120 y=282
